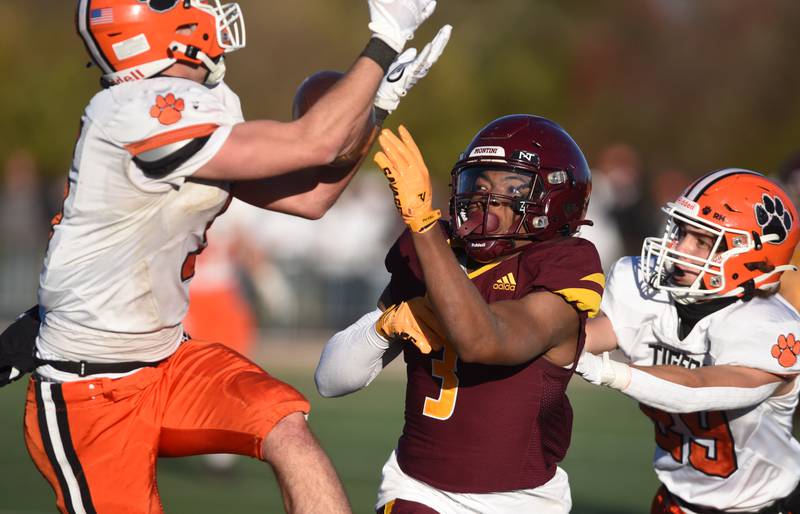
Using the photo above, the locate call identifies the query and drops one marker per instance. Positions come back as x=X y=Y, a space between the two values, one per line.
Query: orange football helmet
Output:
x=135 y=39
x=754 y=227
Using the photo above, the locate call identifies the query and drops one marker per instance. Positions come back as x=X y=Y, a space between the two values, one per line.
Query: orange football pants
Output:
x=663 y=503
x=97 y=440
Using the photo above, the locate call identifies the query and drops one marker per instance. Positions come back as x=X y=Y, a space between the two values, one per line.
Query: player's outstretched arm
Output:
x=678 y=389
x=311 y=191
x=510 y=332
x=265 y=148
x=261 y=149
x=353 y=357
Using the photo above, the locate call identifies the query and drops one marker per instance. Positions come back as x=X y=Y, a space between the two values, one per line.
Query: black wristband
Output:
x=380 y=115
x=380 y=52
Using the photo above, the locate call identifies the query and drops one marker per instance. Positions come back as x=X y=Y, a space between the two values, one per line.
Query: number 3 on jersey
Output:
x=445 y=370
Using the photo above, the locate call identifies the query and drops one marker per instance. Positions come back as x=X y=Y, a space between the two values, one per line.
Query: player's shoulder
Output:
x=407 y=280
x=133 y=112
x=628 y=300
x=401 y=252
x=760 y=312
x=564 y=259
x=569 y=267
x=625 y=278
x=763 y=333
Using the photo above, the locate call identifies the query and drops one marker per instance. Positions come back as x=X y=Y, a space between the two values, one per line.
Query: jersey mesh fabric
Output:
x=475 y=428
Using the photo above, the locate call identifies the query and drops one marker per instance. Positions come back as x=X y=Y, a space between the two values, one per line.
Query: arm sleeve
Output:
x=353 y=358
x=670 y=397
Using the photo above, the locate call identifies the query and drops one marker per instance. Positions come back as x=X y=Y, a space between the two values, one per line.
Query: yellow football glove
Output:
x=404 y=167
x=413 y=321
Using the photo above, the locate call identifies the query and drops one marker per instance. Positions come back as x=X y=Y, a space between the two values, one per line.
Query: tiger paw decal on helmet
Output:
x=786 y=350
x=167 y=109
x=773 y=218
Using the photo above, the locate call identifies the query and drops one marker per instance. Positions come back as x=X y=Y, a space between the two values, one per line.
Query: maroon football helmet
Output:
x=546 y=184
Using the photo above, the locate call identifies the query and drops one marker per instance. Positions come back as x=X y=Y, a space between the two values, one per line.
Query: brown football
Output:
x=311 y=89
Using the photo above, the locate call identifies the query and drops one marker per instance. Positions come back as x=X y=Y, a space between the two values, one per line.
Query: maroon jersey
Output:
x=475 y=428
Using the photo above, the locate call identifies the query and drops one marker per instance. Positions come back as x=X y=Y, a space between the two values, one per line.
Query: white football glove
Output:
x=395 y=21
x=407 y=69
x=601 y=370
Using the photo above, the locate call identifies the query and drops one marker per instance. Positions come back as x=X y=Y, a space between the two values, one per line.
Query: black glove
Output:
x=18 y=345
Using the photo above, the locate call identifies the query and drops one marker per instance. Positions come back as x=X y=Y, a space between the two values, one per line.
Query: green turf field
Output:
x=608 y=462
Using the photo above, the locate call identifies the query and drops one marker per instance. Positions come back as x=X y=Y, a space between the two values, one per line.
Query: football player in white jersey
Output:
x=162 y=150
x=711 y=348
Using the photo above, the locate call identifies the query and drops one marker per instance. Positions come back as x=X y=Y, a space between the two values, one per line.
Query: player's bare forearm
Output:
x=600 y=335
x=712 y=376
x=264 y=149
x=307 y=193
x=341 y=113
x=499 y=333
x=463 y=313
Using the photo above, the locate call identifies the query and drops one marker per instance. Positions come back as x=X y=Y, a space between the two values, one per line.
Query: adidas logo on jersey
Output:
x=507 y=283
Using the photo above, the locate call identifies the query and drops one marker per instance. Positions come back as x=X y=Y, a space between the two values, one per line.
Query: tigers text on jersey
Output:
x=114 y=285
x=738 y=460
x=476 y=428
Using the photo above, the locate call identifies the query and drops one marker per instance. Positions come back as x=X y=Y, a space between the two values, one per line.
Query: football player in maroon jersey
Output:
x=489 y=312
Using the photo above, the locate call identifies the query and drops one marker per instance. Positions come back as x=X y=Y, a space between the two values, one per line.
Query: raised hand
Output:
x=408 y=69
x=409 y=180
x=395 y=21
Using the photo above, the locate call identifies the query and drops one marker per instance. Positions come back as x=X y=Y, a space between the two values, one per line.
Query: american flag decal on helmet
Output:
x=101 y=16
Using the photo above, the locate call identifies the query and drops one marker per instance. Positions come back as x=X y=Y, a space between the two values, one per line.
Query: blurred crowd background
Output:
x=656 y=92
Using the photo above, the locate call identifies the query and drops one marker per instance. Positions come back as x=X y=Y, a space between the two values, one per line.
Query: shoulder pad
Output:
x=763 y=333
x=160 y=115
x=569 y=268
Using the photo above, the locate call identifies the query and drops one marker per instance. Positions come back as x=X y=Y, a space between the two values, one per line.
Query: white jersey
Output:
x=738 y=460
x=114 y=286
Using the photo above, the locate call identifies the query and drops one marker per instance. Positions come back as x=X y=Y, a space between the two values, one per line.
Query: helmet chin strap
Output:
x=483 y=250
x=216 y=70
x=475 y=220
x=487 y=250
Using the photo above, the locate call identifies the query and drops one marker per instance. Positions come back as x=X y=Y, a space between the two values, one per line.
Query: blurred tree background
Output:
x=690 y=84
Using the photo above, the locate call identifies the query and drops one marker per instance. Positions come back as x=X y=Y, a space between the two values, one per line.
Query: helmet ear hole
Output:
x=162 y=5
x=187 y=29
